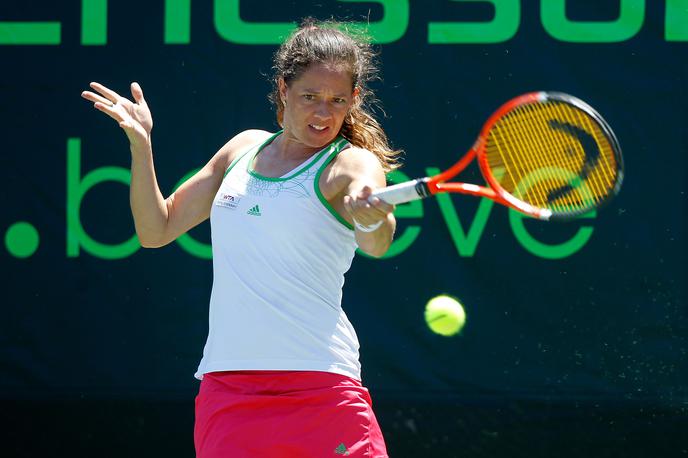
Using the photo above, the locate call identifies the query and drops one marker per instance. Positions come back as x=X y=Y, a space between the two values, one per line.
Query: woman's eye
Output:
x=339 y=100
x=308 y=96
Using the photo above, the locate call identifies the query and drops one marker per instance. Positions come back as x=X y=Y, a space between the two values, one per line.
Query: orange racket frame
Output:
x=425 y=187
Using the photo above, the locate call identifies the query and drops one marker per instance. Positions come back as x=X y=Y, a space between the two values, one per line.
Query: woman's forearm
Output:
x=148 y=206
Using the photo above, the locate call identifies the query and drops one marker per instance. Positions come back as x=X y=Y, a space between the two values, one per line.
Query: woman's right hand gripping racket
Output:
x=546 y=154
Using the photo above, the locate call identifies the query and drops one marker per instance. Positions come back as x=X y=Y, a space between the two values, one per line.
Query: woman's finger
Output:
x=137 y=92
x=110 y=111
x=381 y=205
x=348 y=204
x=111 y=95
x=88 y=95
x=365 y=192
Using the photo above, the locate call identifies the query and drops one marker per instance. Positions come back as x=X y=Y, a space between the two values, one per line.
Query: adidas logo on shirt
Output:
x=254 y=211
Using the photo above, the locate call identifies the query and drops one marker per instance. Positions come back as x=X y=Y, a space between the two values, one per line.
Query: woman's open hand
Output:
x=133 y=117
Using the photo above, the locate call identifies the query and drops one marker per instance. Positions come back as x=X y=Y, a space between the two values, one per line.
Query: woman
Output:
x=280 y=371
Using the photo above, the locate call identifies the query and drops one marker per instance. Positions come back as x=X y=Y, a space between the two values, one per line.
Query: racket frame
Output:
x=424 y=187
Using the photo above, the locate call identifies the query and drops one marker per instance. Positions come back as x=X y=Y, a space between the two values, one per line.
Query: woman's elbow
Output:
x=149 y=241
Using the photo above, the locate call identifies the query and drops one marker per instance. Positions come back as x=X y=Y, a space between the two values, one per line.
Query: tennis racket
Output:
x=546 y=154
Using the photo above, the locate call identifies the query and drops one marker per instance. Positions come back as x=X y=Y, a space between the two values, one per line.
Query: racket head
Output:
x=550 y=155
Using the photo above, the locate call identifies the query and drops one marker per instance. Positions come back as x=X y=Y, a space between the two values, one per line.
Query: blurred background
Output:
x=576 y=340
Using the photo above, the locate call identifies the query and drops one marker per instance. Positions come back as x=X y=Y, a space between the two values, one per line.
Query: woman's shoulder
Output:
x=355 y=159
x=353 y=164
x=252 y=135
x=241 y=142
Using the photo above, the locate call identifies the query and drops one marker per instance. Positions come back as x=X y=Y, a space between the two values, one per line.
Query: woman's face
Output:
x=316 y=104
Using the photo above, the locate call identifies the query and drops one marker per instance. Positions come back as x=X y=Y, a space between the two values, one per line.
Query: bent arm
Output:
x=373 y=219
x=159 y=221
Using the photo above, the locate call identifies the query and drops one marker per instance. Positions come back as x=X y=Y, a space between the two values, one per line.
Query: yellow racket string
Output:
x=552 y=155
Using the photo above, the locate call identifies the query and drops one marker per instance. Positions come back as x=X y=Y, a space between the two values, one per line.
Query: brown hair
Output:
x=329 y=42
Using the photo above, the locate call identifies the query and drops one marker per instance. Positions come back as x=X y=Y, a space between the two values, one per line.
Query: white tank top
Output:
x=279 y=257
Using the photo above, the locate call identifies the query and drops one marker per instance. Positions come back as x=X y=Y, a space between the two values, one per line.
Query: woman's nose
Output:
x=322 y=110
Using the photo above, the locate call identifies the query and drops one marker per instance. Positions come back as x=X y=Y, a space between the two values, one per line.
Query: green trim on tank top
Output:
x=299 y=169
x=316 y=186
x=231 y=166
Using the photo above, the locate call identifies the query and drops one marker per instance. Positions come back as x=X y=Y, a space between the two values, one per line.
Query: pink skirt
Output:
x=280 y=414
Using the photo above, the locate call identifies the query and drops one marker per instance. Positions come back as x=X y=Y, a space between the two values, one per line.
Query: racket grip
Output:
x=403 y=192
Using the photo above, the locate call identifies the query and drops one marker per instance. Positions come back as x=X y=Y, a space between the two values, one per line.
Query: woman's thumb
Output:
x=137 y=92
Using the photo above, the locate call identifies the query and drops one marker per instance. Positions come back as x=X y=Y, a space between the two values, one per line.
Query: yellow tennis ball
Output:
x=445 y=315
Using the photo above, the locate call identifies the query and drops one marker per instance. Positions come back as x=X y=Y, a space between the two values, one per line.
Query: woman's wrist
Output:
x=142 y=148
x=370 y=227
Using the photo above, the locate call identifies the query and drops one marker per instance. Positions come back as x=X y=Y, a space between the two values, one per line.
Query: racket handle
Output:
x=403 y=192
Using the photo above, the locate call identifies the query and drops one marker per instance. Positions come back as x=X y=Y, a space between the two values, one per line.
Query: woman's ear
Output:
x=356 y=99
x=282 y=90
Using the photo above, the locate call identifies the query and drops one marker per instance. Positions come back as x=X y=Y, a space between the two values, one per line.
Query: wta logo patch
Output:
x=228 y=201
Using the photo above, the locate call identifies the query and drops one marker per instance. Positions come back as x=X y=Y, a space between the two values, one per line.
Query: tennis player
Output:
x=280 y=370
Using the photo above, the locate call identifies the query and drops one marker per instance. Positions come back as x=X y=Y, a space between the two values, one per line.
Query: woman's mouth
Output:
x=318 y=128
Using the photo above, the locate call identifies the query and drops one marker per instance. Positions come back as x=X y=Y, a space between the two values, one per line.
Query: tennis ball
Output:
x=445 y=315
